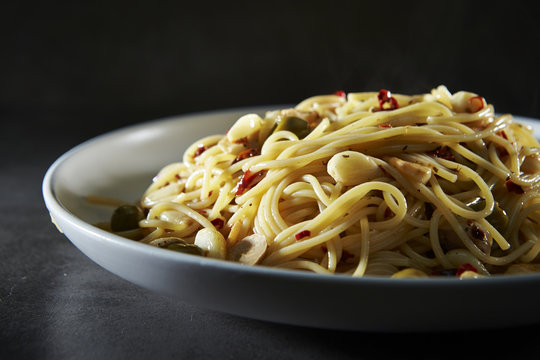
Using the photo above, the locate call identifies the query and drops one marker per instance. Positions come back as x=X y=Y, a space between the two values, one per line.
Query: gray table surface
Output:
x=55 y=303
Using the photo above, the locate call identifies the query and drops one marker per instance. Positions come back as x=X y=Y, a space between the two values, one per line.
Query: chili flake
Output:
x=465 y=267
x=444 y=152
x=200 y=149
x=302 y=234
x=246 y=154
x=218 y=223
x=340 y=93
x=477 y=233
x=476 y=103
x=244 y=141
x=249 y=180
x=502 y=134
x=386 y=100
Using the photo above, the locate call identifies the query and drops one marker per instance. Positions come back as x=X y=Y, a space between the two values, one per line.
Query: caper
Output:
x=126 y=217
x=498 y=217
x=185 y=248
x=297 y=126
x=477 y=204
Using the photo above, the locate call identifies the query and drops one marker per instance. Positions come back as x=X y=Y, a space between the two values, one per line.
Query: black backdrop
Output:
x=132 y=61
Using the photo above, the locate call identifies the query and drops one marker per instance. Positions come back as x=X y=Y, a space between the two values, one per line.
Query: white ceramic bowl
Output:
x=121 y=164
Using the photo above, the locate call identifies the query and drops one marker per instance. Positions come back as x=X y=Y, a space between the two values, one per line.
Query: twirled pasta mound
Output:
x=369 y=183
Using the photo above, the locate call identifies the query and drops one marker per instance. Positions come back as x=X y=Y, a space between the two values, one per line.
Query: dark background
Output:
x=72 y=70
x=131 y=61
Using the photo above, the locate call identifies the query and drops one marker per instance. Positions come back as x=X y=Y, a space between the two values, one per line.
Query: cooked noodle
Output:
x=377 y=184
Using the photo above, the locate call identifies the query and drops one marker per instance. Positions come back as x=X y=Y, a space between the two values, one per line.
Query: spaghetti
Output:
x=371 y=183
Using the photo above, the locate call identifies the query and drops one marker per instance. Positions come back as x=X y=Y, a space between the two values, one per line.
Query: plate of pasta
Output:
x=365 y=211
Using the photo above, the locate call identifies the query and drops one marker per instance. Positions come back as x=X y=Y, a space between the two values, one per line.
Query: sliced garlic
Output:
x=211 y=242
x=416 y=173
x=249 y=250
x=353 y=168
x=244 y=127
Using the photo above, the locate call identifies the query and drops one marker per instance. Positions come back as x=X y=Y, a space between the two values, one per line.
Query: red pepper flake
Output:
x=249 y=180
x=243 y=140
x=465 y=267
x=340 y=93
x=444 y=152
x=476 y=103
x=387 y=101
x=502 y=134
x=513 y=187
x=218 y=223
x=476 y=232
x=200 y=149
x=388 y=126
x=246 y=154
x=302 y=234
